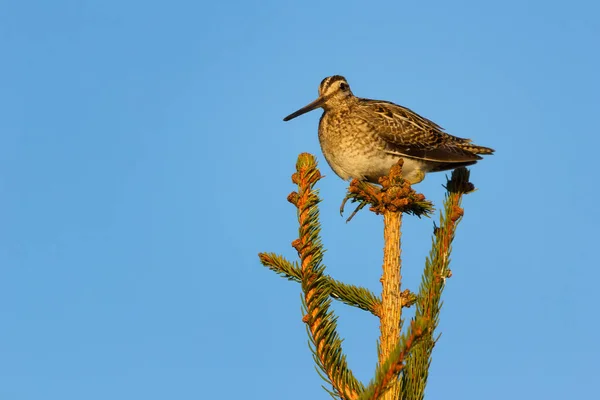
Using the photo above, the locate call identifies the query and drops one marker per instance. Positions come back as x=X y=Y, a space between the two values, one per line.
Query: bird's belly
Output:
x=375 y=167
x=349 y=162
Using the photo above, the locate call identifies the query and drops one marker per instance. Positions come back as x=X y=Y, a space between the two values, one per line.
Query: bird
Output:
x=363 y=138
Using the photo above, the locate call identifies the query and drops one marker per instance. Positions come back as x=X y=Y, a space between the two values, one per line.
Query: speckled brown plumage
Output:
x=363 y=138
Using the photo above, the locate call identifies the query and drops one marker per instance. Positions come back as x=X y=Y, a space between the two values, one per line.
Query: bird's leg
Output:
x=355 y=188
x=360 y=207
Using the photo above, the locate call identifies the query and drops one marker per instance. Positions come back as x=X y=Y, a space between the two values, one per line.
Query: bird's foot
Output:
x=361 y=205
x=359 y=192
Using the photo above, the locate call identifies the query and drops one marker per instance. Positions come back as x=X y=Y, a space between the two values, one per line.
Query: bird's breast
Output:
x=352 y=149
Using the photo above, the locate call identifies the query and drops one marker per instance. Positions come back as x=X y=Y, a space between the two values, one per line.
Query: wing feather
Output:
x=408 y=134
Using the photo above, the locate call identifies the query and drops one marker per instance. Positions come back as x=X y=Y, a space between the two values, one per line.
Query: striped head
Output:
x=334 y=91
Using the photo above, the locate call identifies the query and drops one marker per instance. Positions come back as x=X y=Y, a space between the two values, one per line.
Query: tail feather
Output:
x=477 y=149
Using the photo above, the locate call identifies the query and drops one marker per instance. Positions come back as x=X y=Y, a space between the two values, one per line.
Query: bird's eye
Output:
x=343 y=86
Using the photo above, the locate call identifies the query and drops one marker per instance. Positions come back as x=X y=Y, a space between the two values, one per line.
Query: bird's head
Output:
x=334 y=91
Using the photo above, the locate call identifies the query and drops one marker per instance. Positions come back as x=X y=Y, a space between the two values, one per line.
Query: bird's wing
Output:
x=408 y=134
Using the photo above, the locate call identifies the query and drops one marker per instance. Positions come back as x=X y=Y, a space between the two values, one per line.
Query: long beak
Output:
x=315 y=104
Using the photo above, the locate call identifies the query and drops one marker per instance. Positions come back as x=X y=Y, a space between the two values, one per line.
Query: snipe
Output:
x=363 y=138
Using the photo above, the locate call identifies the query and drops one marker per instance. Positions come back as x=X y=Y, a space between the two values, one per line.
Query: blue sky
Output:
x=145 y=164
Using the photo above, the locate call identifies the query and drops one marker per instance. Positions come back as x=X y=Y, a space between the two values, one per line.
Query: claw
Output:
x=343 y=205
x=360 y=207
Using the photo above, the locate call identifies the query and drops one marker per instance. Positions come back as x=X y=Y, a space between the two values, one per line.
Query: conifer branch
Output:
x=351 y=295
x=404 y=359
x=429 y=302
x=321 y=322
x=286 y=269
x=388 y=371
x=355 y=296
